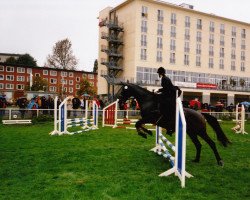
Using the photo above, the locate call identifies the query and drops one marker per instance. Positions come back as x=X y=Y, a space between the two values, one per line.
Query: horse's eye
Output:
x=126 y=87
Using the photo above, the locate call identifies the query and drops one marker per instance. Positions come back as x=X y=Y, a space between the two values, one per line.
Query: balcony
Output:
x=112 y=65
x=112 y=25
x=111 y=52
x=112 y=38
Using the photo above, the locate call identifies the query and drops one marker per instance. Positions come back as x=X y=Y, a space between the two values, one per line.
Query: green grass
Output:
x=114 y=164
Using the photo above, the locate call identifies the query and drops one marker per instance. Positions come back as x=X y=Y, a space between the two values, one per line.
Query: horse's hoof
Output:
x=221 y=163
x=196 y=160
x=150 y=133
x=143 y=135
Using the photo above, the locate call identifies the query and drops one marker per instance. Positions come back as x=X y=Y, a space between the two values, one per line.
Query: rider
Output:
x=166 y=99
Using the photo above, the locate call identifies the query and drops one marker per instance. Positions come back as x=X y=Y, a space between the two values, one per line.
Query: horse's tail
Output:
x=213 y=122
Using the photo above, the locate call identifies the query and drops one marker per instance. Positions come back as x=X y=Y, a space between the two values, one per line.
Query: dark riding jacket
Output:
x=167 y=86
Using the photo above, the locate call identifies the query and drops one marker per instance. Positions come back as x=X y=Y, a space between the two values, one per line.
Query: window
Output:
x=173 y=19
x=211 y=51
x=9 y=86
x=242 y=66
x=160 y=15
x=64 y=74
x=243 y=44
x=29 y=70
x=159 y=56
x=10 y=69
x=45 y=72
x=173 y=31
x=37 y=74
x=186 y=59
x=144 y=12
x=172 y=45
x=53 y=81
x=20 y=70
x=211 y=27
x=198 y=36
x=70 y=82
x=70 y=90
x=233 y=31
x=77 y=79
x=160 y=29
x=53 y=73
x=198 y=61
x=243 y=55
x=84 y=76
x=77 y=86
x=21 y=78
x=187 y=22
x=172 y=58
x=222 y=29
x=144 y=40
x=221 y=63
x=70 y=74
x=199 y=24
x=233 y=65
x=143 y=54
x=187 y=34
x=64 y=89
x=198 y=49
x=144 y=28
x=211 y=39
x=243 y=33
x=222 y=52
x=52 y=88
x=186 y=47
x=211 y=63
x=64 y=82
x=233 y=42
x=1 y=68
x=90 y=76
x=1 y=86
x=159 y=43
x=19 y=87
x=222 y=40
x=233 y=56
x=9 y=78
x=1 y=77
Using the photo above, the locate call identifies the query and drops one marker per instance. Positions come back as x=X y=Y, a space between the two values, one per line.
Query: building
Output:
x=13 y=79
x=205 y=54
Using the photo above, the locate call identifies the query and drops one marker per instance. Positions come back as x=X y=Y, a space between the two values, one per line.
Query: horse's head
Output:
x=125 y=92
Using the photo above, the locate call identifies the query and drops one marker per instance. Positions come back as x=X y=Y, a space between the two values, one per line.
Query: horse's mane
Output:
x=139 y=89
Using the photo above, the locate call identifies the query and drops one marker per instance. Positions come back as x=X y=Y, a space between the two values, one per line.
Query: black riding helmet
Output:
x=161 y=70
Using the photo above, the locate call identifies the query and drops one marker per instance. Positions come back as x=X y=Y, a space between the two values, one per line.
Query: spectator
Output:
x=33 y=105
x=69 y=107
x=3 y=105
x=75 y=105
x=22 y=104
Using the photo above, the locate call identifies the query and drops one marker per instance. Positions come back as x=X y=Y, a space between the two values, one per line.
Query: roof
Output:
x=163 y=3
x=10 y=54
x=15 y=65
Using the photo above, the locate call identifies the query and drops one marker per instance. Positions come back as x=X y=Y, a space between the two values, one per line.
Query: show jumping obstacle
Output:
x=178 y=161
x=61 y=123
x=110 y=118
x=240 y=120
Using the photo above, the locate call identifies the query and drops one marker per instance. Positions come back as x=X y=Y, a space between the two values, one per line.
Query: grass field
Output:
x=114 y=164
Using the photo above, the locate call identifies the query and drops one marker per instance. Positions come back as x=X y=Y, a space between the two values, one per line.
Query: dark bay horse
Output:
x=196 y=124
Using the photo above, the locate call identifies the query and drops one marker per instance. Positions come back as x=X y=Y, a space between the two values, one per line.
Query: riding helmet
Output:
x=161 y=70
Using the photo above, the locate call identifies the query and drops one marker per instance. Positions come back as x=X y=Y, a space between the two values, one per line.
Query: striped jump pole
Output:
x=109 y=115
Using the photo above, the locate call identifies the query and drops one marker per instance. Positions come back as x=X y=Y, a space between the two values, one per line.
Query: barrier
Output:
x=240 y=120
x=24 y=121
x=61 y=123
x=178 y=162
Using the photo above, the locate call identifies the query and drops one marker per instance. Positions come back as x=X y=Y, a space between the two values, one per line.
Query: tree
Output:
x=38 y=84
x=62 y=56
x=95 y=69
x=86 y=88
x=10 y=60
x=25 y=59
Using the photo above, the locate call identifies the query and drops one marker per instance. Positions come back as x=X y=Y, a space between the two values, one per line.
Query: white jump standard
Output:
x=179 y=161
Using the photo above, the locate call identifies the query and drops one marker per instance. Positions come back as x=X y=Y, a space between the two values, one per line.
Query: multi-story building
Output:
x=205 y=54
x=14 y=78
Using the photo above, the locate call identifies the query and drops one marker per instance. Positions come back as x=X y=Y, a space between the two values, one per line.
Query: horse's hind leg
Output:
x=211 y=143
x=138 y=126
x=197 y=145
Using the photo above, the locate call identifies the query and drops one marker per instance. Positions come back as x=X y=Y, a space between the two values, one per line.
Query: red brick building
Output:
x=14 y=78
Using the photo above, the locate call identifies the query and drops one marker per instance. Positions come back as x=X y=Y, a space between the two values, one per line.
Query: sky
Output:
x=34 y=26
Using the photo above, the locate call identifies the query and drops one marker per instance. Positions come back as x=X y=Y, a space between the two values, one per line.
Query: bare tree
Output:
x=62 y=56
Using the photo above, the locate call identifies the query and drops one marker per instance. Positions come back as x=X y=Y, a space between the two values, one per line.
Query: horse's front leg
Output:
x=139 y=128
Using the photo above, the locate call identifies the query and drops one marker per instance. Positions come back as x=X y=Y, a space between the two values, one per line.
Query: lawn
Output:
x=114 y=164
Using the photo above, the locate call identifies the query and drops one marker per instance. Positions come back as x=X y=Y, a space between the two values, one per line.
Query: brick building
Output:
x=14 y=78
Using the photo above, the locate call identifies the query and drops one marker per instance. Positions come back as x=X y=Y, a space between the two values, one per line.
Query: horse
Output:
x=196 y=124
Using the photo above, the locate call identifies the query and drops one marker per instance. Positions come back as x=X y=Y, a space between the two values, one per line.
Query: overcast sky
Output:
x=34 y=26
